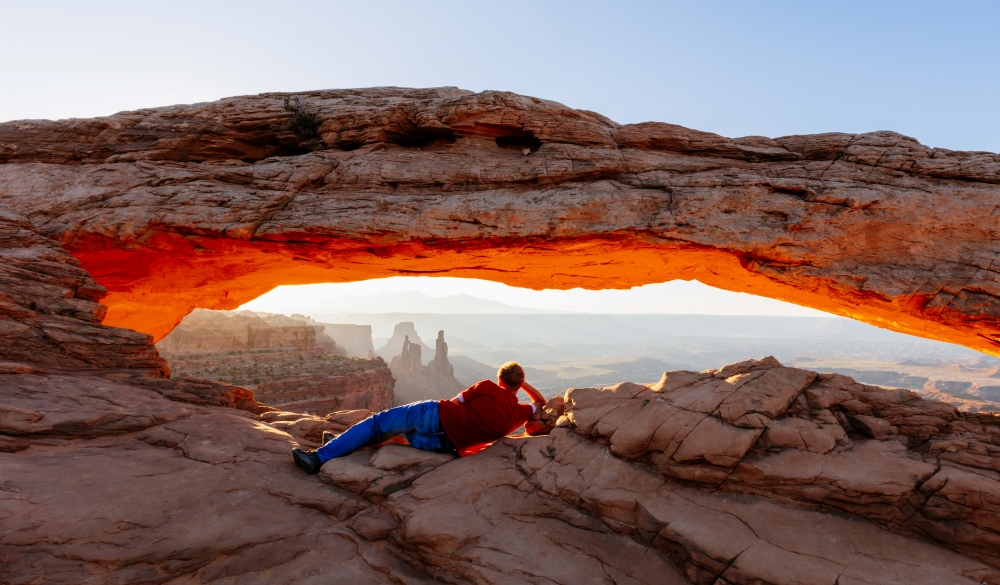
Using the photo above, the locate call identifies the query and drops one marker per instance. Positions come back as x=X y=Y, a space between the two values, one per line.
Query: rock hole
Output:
x=286 y=150
x=347 y=145
x=423 y=137
x=523 y=141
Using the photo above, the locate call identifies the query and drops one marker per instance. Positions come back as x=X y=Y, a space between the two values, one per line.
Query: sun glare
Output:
x=421 y=294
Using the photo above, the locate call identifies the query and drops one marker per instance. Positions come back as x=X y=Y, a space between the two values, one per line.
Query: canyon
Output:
x=287 y=362
x=291 y=364
x=115 y=472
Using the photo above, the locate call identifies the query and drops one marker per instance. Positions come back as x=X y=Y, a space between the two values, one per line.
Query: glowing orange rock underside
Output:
x=153 y=288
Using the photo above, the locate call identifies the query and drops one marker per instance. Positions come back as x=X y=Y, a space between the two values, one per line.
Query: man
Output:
x=481 y=414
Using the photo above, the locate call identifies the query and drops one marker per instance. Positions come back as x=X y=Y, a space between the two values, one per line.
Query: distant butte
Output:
x=210 y=205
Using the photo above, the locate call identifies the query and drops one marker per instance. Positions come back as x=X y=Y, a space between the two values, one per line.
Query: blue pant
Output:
x=418 y=422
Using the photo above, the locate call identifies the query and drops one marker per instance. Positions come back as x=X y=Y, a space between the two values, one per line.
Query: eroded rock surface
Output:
x=752 y=474
x=367 y=385
x=210 y=205
x=799 y=437
x=50 y=315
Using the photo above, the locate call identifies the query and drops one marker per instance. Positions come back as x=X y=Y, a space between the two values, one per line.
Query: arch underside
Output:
x=227 y=274
x=212 y=205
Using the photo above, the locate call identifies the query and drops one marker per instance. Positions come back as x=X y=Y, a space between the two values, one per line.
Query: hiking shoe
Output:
x=328 y=436
x=307 y=460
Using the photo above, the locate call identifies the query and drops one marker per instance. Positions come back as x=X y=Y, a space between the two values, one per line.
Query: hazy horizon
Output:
x=423 y=294
x=562 y=350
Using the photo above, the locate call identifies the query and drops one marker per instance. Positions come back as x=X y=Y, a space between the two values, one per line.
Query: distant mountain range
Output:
x=417 y=302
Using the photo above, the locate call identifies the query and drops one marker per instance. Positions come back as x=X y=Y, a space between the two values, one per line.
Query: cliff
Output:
x=288 y=362
x=215 y=331
x=355 y=339
x=370 y=387
x=351 y=340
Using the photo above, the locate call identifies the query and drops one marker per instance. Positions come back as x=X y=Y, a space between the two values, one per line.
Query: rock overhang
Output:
x=210 y=205
x=703 y=476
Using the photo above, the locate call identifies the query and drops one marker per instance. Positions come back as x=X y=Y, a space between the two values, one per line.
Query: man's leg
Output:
x=426 y=426
x=399 y=420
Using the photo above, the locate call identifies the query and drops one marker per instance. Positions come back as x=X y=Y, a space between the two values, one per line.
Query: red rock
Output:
x=287 y=363
x=210 y=205
x=687 y=428
x=114 y=473
x=371 y=389
x=50 y=316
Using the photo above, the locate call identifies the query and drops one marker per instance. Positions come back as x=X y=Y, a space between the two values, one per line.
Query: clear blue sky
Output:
x=925 y=69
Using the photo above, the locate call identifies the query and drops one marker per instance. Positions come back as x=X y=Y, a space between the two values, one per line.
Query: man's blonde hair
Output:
x=511 y=374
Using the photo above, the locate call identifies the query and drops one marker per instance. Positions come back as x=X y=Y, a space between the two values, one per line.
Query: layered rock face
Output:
x=368 y=388
x=288 y=362
x=210 y=205
x=50 y=317
x=355 y=339
x=211 y=331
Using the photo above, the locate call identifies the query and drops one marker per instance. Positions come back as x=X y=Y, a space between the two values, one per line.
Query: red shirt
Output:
x=481 y=414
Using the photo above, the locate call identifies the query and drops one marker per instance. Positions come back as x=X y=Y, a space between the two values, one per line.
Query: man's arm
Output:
x=538 y=401
x=535 y=395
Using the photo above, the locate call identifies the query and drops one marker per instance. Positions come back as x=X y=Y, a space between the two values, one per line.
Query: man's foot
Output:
x=328 y=436
x=307 y=460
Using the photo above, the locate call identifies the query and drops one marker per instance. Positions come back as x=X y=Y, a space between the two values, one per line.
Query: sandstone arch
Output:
x=211 y=205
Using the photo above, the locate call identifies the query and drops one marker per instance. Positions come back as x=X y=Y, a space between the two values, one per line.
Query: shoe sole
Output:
x=303 y=464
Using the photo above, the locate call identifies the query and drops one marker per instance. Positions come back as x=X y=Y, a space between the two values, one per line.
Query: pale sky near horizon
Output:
x=924 y=69
x=676 y=297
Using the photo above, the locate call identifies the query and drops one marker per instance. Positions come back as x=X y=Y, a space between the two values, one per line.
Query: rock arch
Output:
x=210 y=205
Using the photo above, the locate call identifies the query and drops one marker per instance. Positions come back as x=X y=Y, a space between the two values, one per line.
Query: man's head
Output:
x=511 y=376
